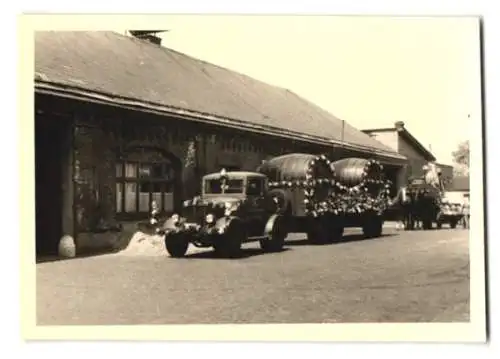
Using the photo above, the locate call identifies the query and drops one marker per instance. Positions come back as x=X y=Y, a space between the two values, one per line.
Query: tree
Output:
x=461 y=159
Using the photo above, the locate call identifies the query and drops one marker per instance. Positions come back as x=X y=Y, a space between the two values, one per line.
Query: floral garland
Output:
x=358 y=200
x=372 y=194
x=342 y=199
x=309 y=186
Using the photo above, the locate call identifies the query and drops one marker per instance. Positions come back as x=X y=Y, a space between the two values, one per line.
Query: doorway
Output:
x=48 y=183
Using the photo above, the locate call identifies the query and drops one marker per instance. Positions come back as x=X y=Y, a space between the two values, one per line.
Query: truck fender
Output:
x=283 y=197
x=223 y=223
x=271 y=223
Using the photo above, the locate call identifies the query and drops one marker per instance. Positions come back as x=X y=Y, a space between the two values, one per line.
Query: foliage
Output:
x=460 y=170
x=461 y=154
x=190 y=160
x=190 y=171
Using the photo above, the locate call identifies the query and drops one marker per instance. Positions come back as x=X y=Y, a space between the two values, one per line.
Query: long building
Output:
x=119 y=120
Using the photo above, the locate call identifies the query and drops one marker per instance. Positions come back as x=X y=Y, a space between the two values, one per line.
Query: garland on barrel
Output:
x=358 y=200
x=309 y=186
x=313 y=207
x=342 y=199
x=371 y=194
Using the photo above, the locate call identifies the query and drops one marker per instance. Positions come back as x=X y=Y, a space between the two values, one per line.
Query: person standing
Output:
x=466 y=213
x=401 y=202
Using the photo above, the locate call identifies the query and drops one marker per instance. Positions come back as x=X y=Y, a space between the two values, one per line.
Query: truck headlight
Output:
x=228 y=209
x=209 y=218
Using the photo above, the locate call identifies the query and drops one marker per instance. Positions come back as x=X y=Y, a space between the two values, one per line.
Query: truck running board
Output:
x=254 y=239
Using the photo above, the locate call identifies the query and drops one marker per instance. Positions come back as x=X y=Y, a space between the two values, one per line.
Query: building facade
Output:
x=401 y=140
x=120 y=122
x=458 y=190
x=446 y=173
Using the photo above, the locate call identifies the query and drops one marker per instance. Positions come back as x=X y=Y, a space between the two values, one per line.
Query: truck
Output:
x=451 y=211
x=234 y=208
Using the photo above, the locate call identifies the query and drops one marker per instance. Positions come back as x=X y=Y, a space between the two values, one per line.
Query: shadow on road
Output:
x=55 y=258
x=245 y=253
x=345 y=239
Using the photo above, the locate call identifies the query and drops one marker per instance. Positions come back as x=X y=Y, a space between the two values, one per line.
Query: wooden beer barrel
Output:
x=354 y=171
x=360 y=185
x=296 y=167
x=311 y=173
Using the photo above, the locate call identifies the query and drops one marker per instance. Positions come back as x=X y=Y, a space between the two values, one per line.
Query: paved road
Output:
x=401 y=277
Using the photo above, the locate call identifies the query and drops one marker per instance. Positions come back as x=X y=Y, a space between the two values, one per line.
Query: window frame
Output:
x=262 y=186
x=207 y=182
x=121 y=180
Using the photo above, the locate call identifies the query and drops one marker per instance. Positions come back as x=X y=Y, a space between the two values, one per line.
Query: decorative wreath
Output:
x=372 y=194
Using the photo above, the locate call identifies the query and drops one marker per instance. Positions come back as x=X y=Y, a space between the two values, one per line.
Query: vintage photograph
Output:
x=216 y=169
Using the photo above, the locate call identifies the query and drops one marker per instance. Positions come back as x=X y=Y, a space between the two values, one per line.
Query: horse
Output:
x=405 y=205
x=413 y=207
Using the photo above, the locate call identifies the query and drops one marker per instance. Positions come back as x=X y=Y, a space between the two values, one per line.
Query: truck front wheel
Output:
x=276 y=237
x=177 y=246
x=230 y=244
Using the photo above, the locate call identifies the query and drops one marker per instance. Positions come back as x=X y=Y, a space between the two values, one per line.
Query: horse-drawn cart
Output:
x=426 y=202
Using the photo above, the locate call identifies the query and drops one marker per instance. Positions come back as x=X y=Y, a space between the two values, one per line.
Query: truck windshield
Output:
x=255 y=186
x=233 y=186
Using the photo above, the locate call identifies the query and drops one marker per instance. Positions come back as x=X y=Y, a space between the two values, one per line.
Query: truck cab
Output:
x=234 y=207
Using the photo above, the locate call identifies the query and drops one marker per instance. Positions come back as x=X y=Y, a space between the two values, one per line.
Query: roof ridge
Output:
x=173 y=79
x=227 y=69
x=199 y=60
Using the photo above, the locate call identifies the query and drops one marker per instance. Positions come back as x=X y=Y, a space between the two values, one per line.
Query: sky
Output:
x=368 y=71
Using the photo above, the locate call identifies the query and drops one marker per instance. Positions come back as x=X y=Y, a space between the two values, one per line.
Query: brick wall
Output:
x=101 y=139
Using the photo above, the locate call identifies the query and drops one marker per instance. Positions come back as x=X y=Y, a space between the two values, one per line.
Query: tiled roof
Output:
x=129 y=68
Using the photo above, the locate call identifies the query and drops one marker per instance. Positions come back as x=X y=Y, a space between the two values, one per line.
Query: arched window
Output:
x=143 y=176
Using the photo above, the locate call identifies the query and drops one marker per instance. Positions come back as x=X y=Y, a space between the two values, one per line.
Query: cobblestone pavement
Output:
x=419 y=276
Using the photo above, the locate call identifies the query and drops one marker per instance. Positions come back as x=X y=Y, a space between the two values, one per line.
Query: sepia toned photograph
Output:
x=232 y=170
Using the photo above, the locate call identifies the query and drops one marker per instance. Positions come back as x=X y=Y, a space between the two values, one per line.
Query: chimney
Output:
x=148 y=35
x=400 y=125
